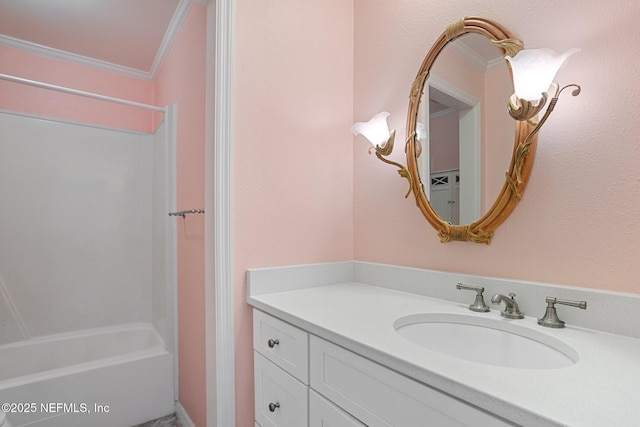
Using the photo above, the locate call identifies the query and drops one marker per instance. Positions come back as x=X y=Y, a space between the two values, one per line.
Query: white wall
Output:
x=159 y=272
x=163 y=235
x=75 y=227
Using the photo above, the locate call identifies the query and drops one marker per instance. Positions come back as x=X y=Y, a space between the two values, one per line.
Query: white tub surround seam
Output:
x=13 y=309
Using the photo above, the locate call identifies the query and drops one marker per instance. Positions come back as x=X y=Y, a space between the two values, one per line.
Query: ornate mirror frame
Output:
x=481 y=230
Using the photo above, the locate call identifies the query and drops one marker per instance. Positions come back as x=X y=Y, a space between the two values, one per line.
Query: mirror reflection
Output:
x=464 y=129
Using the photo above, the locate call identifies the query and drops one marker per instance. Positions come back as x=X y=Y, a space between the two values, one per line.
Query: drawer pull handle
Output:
x=273 y=343
x=274 y=406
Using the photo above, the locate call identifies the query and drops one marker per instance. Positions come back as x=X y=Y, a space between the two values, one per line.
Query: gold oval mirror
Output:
x=456 y=183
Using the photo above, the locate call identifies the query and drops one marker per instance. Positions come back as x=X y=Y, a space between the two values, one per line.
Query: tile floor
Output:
x=168 y=421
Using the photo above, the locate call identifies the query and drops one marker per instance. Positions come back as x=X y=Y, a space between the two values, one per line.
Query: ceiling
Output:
x=130 y=37
x=127 y=36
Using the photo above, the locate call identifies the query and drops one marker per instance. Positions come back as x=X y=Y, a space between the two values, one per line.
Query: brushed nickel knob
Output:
x=274 y=406
x=272 y=343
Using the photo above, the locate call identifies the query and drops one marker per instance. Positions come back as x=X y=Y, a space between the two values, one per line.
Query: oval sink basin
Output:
x=487 y=341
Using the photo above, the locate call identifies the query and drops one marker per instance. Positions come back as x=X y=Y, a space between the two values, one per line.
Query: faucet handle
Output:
x=478 y=305
x=550 y=318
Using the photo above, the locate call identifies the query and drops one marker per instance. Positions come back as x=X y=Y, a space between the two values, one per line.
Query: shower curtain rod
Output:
x=81 y=93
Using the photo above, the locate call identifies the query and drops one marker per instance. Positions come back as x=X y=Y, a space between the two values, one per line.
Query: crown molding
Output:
x=50 y=52
x=474 y=59
x=495 y=63
x=443 y=113
x=174 y=26
x=176 y=22
x=469 y=55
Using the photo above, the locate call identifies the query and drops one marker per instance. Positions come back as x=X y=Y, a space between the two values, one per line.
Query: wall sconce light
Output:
x=376 y=130
x=533 y=74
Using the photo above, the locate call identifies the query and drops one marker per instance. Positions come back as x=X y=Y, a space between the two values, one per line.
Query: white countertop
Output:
x=601 y=389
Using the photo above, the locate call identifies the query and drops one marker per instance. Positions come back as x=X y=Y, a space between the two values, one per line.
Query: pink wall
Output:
x=454 y=69
x=444 y=146
x=292 y=148
x=499 y=130
x=579 y=221
x=181 y=80
x=32 y=100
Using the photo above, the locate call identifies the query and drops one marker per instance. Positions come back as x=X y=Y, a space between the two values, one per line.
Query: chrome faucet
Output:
x=511 y=308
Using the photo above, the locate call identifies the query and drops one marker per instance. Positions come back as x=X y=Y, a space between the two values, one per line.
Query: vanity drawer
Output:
x=381 y=397
x=280 y=399
x=323 y=413
x=283 y=344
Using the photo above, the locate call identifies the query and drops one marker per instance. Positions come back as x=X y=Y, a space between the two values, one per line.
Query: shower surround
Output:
x=87 y=275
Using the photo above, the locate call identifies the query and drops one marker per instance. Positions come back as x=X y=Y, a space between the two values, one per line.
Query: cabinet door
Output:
x=280 y=399
x=380 y=397
x=323 y=413
x=445 y=195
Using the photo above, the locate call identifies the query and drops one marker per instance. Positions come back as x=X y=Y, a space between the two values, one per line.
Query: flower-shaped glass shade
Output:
x=375 y=130
x=534 y=71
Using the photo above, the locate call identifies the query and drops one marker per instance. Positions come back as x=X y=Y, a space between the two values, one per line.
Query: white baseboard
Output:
x=183 y=416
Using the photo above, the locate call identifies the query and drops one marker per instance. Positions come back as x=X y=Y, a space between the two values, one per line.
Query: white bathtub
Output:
x=112 y=377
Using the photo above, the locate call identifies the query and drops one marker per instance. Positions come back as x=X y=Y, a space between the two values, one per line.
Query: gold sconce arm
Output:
x=533 y=73
x=521 y=110
x=518 y=113
x=527 y=110
x=385 y=150
x=377 y=132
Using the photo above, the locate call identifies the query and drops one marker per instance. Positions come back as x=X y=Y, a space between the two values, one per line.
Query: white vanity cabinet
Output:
x=281 y=369
x=360 y=369
x=381 y=397
x=281 y=400
x=323 y=413
x=303 y=380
